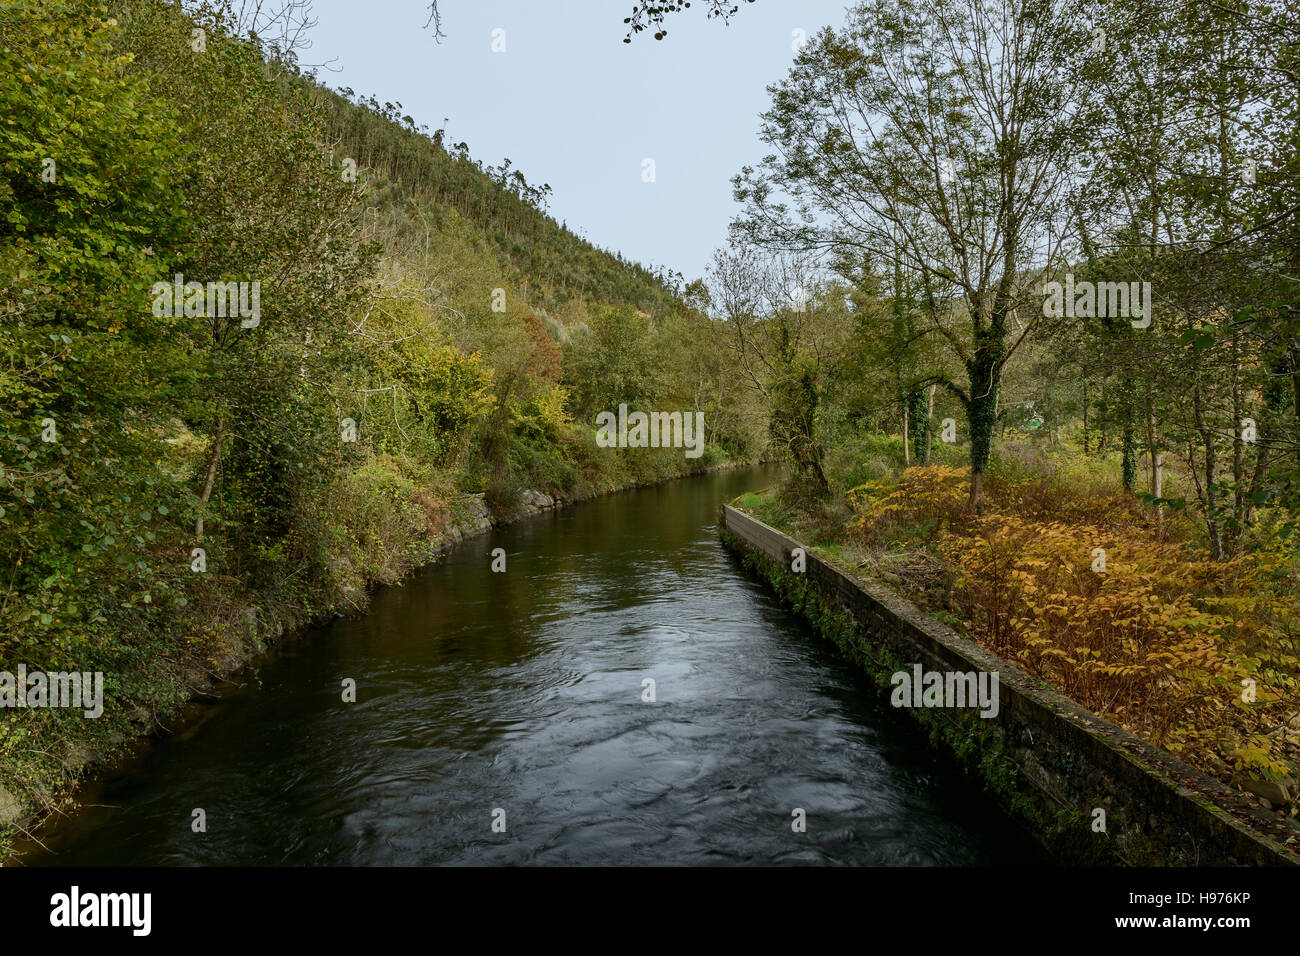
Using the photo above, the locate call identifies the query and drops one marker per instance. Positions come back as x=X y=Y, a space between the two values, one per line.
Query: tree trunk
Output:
x=918 y=426
x=1157 y=467
x=1129 y=464
x=1295 y=389
x=1211 y=491
x=214 y=459
x=907 y=457
x=981 y=412
x=1086 y=402
x=1242 y=489
x=929 y=418
x=1103 y=415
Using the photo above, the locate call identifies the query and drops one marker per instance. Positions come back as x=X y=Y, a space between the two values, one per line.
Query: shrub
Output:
x=503 y=494
x=1159 y=641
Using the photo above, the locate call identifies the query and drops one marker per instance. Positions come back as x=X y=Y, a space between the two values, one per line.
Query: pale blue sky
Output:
x=572 y=105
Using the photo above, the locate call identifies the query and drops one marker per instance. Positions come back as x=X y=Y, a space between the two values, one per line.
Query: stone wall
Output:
x=1067 y=761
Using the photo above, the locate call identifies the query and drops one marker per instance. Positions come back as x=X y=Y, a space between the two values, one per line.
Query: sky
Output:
x=574 y=106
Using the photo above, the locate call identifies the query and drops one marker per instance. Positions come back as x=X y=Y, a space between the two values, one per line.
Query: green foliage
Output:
x=503 y=494
x=859 y=459
x=608 y=366
x=88 y=376
x=129 y=439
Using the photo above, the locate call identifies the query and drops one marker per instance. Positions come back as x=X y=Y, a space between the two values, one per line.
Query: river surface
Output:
x=518 y=698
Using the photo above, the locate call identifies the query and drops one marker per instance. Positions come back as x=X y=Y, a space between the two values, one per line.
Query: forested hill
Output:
x=259 y=347
x=556 y=264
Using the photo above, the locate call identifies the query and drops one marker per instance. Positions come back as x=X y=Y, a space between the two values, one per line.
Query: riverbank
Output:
x=415 y=346
x=1091 y=791
x=526 y=690
x=415 y=533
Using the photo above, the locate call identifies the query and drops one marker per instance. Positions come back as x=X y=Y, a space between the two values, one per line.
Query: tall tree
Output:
x=937 y=137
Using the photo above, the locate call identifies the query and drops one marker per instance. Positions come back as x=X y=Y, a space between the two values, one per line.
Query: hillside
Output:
x=187 y=477
x=508 y=211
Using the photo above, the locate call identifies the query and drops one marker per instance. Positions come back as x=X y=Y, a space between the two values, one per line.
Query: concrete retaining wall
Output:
x=1068 y=759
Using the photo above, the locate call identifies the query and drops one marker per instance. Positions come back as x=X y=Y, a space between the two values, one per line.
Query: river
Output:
x=517 y=699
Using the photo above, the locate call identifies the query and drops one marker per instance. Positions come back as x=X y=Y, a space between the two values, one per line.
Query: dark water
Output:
x=523 y=691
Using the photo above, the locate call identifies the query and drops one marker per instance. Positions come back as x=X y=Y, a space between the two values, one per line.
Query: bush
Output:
x=1159 y=640
x=921 y=502
x=541 y=465
x=503 y=494
x=387 y=527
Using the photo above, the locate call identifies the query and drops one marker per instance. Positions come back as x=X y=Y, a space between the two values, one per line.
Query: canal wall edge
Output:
x=1050 y=761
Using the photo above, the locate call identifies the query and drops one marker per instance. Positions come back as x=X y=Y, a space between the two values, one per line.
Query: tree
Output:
x=1187 y=89
x=90 y=182
x=784 y=330
x=650 y=15
x=936 y=138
